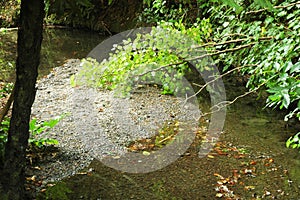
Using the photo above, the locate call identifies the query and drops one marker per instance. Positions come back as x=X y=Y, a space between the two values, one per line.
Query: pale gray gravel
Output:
x=97 y=123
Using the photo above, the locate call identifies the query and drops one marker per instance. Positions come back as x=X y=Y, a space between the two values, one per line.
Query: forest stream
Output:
x=249 y=161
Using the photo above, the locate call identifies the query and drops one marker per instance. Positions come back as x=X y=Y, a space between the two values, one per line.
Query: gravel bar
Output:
x=98 y=124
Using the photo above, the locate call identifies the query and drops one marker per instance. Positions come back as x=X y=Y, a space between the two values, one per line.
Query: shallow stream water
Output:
x=249 y=161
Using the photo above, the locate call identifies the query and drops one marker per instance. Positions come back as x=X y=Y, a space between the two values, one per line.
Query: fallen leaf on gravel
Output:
x=32 y=178
x=219 y=195
x=116 y=157
x=249 y=187
x=146 y=153
x=220 y=152
x=82 y=173
x=238 y=156
x=210 y=156
x=37 y=167
x=267 y=193
x=252 y=162
x=218 y=175
x=249 y=171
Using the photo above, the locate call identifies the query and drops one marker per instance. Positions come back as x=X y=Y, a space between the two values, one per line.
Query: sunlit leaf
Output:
x=146 y=153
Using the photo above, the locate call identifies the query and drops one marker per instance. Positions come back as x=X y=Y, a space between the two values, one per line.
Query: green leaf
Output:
x=264 y=4
x=269 y=20
x=85 y=3
x=110 y=2
x=286 y=98
x=72 y=81
x=38 y=128
x=32 y=124
x=295 y=68
x=146 y=153
x=296 y=139
x=275 y=97
x=233 y=4
x=287 y=66
x=282 y=13
x=288 y=142
x=51 y=123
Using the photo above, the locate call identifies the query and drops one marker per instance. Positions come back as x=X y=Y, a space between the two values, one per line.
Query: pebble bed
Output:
x=98 y=124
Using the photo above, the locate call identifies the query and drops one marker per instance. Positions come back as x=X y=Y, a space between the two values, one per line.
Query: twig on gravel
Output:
x=7 y=106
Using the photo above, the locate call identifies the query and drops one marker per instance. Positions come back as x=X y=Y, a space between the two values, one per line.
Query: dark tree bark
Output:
x=29 y=46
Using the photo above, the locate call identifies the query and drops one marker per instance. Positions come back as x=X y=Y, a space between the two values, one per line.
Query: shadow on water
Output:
x=250 y=161
x=58 y=46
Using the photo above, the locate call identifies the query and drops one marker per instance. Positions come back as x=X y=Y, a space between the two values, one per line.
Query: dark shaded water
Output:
x=58 y=45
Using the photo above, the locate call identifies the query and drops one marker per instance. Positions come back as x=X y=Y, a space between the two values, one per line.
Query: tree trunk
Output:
x=29 y=46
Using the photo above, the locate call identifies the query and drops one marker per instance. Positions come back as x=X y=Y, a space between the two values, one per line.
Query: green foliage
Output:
x=184 y=10
x=3 y=136
x=9 y=13
x=158 y=10
x=261 y=38
x=70 y=12
x=272 y=61
x=272 y=56
x=233 y=4
x=294 y=142
x=265 y=4
x=77 y=13
x=7 y=56
x=150 y=58
x=6 y=90
x=36 y=128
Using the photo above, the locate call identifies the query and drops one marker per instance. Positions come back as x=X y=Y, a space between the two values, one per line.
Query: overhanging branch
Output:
x=221 y=52
x=264 y=9
x=233 y=41
x=223 y=104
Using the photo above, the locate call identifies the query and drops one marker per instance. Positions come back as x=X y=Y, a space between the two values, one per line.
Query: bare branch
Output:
x=161 y=68
x=233 y=41
x=184 y=60
x=224 y=104
x=221 y=52
x=7 y=106
x=198 y=57
x=264 y=9
x=209 y=82
x=234 y=34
